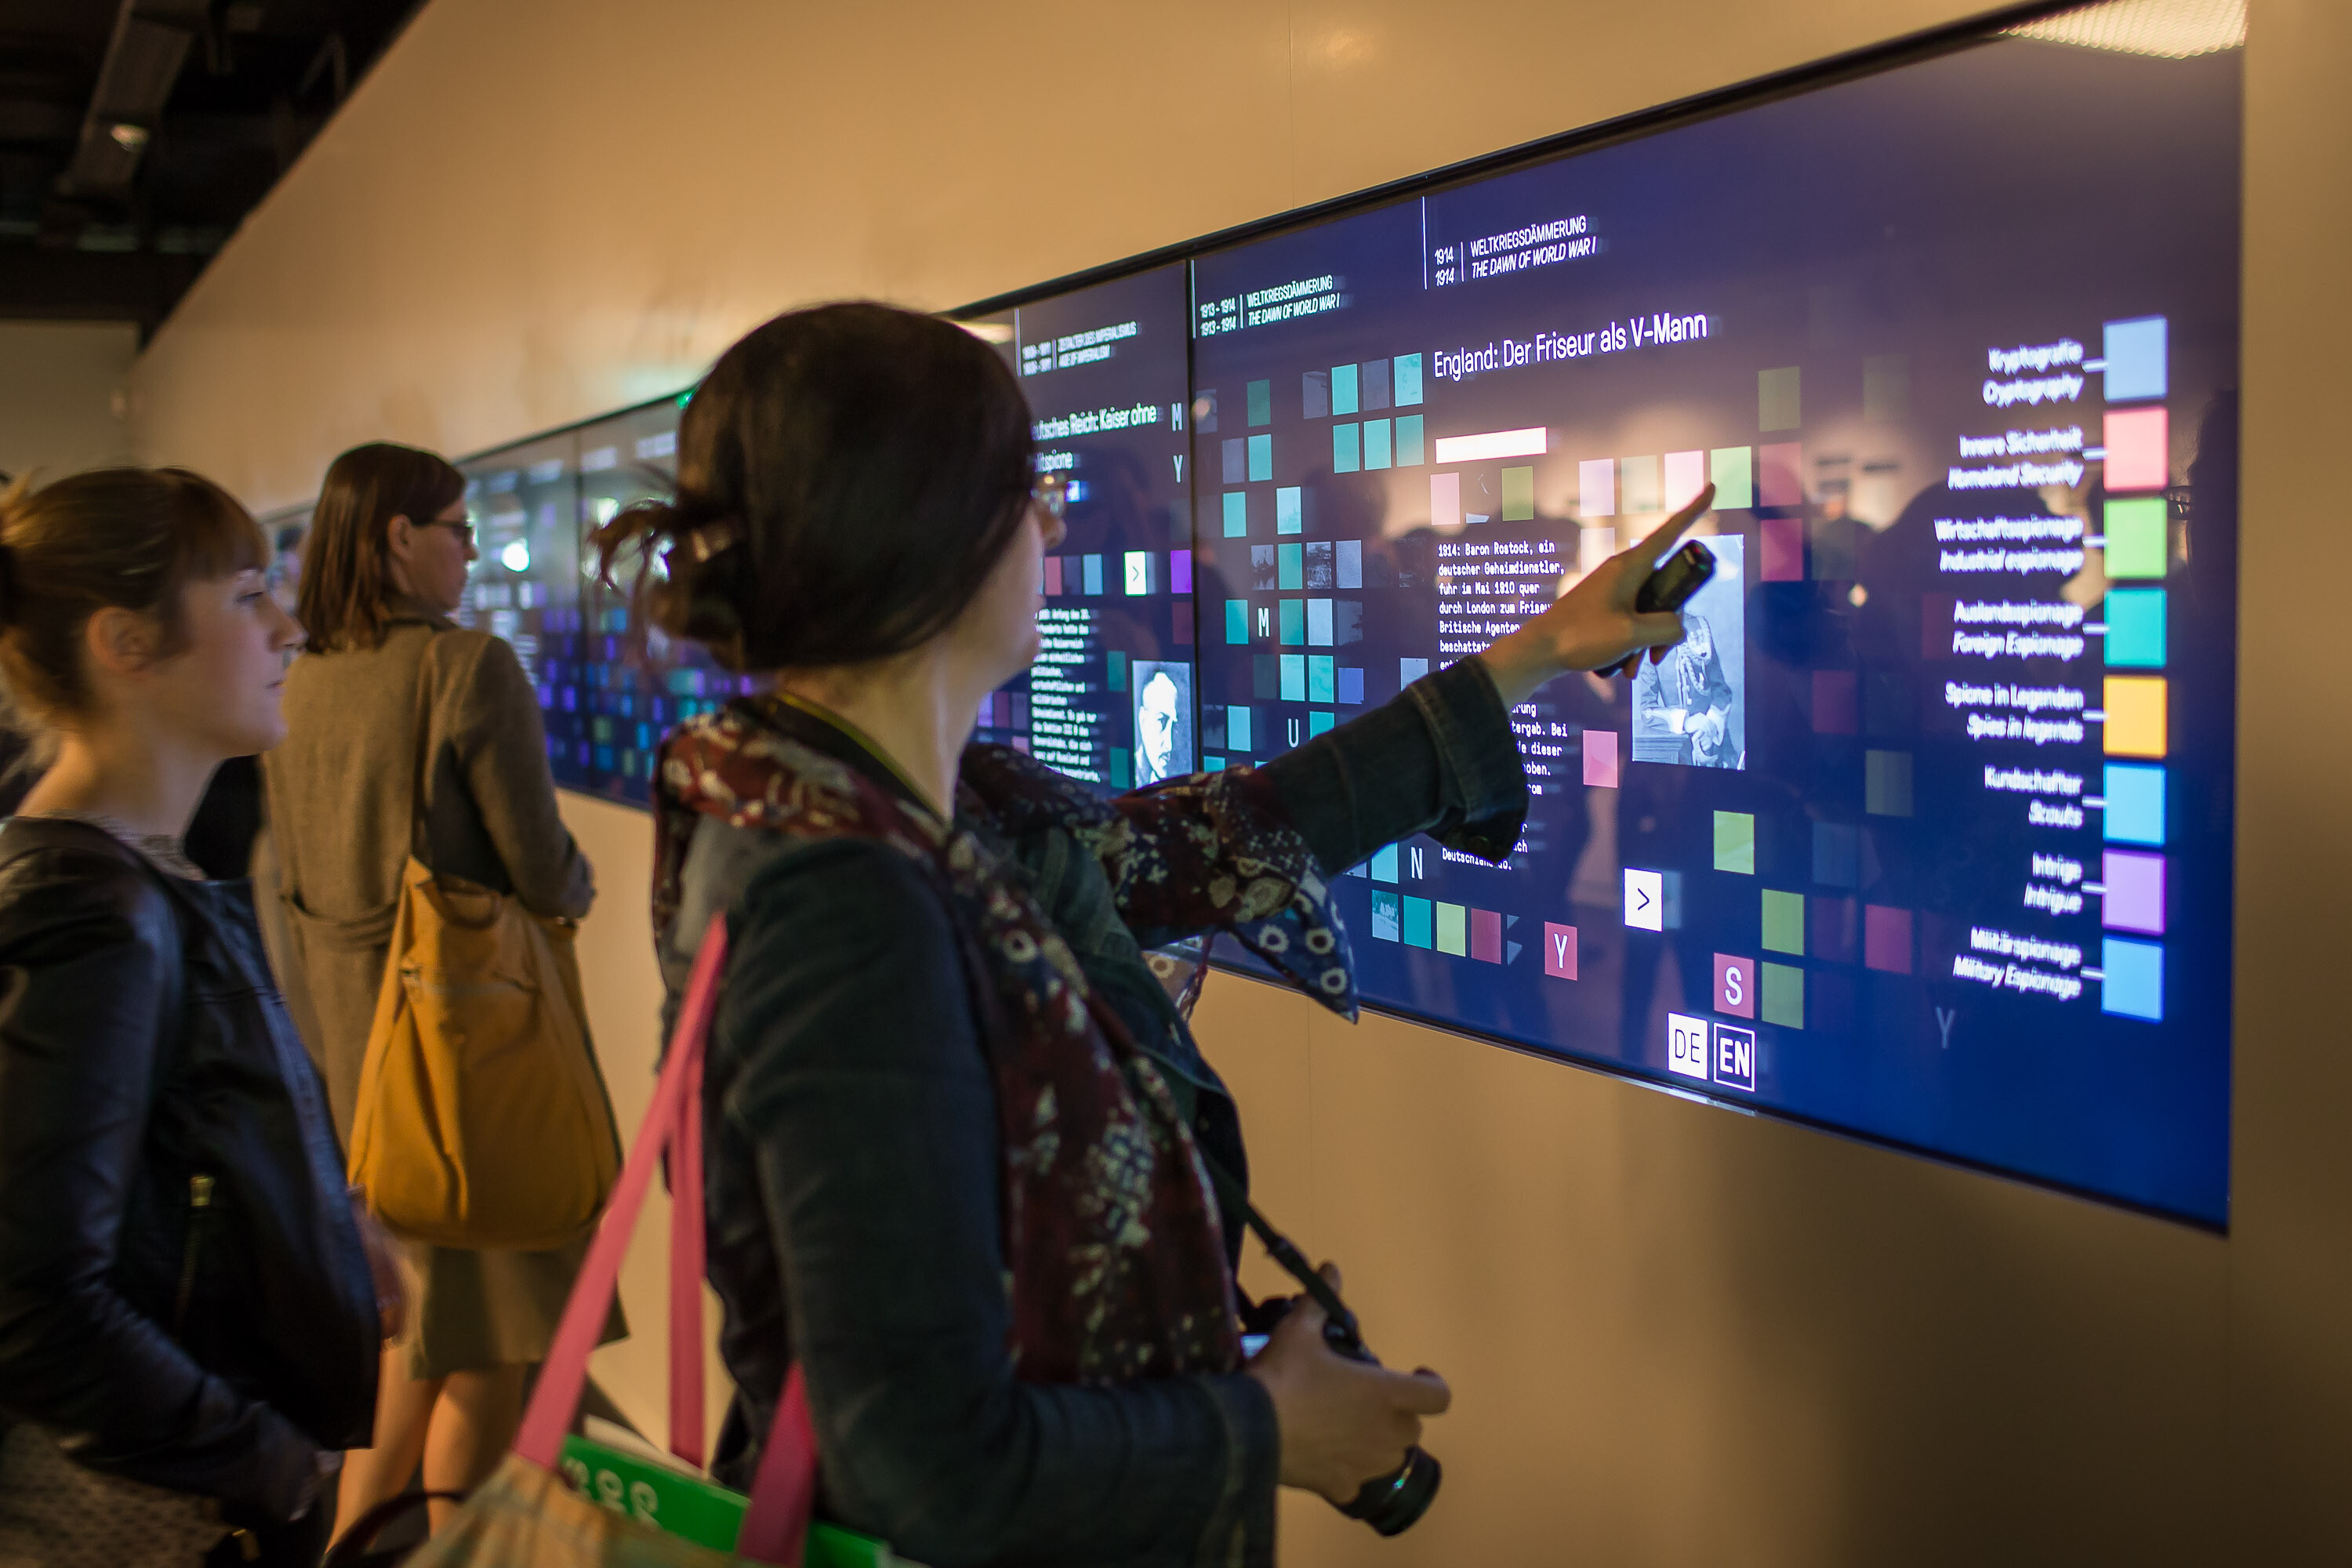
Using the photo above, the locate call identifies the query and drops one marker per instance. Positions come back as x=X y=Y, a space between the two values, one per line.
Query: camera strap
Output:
x=1283 y=1250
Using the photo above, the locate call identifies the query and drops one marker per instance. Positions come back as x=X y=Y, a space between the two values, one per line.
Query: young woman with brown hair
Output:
x=383 y=572
x=189 y=1322
x=958 y=1138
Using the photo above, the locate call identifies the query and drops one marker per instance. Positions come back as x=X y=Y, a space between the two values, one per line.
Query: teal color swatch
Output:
x=1343 y=389
x=1261 y=459
x=1408 y=379
x=2136 y=629
x=1237 y=728
x=1417 y=922
x=1322 y=679
x=1237 y=621
x=1290 y=565
x=1289 y=514
x=1376 y=445
x=1261 y=403
x=1318 y=722
x=1115 y=670
x=1294 y=625
x=1384 y=863
x=1347 y=448
x=1294 y=678
x=1410 y=451
x=1384 y=917
x=1236 y=514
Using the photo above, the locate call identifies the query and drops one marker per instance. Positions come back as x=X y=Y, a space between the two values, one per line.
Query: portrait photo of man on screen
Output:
x=1164 y=720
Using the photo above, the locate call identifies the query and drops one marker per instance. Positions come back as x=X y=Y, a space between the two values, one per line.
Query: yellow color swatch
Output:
x=2134 y=705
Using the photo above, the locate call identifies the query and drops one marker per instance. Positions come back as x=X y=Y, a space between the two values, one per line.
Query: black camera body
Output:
x=1390 y=1504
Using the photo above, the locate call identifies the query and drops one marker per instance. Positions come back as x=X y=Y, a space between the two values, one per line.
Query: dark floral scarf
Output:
x=1114 y=1254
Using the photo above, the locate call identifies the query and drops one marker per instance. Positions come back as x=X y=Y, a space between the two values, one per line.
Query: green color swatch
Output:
x=1452 y=930
x=1784 y=922
x=1777 y=403
x=1733 y=470
x=1782 y=995
x=1735 y=842
x=2137 y=545
x=1261 y=403
x=1518 y=495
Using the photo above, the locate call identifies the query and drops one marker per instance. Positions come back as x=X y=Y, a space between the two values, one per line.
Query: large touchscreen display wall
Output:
x=1925 y=831
x=1110 y=699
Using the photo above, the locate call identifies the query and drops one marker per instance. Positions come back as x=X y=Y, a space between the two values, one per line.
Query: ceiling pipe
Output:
x=143 y=56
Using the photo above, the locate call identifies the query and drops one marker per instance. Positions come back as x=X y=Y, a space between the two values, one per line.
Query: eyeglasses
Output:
x=1052 y=491
x=464 y=525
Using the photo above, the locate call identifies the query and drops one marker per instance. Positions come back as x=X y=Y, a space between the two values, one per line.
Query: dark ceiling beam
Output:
x=150 y=43
x=94 y=286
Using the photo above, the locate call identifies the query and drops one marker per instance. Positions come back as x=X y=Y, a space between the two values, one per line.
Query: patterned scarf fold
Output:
x=1113 y=1256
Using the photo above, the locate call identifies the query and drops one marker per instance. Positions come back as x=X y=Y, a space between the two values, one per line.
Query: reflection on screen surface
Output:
x=1924 y=830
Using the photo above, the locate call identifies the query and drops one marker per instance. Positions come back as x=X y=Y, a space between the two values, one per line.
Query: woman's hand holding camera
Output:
x=1594 y=626
x=1343 y=1422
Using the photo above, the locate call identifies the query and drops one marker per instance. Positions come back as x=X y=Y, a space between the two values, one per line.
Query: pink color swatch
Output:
x=1486 y=936
x=1735 y=985
x=1781 y=558
x=1559 y=950
x=2139 y=453
x=1887 y=939
x=1781 y=480
x=1600 y=758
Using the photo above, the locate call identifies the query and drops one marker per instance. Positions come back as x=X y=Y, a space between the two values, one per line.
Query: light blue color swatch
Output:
x=2135 y=796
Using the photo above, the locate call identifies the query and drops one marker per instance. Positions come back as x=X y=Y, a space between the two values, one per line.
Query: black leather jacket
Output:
x=183 y=1296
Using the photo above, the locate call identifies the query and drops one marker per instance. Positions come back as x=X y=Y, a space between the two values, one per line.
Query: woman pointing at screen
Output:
x=958 y=1136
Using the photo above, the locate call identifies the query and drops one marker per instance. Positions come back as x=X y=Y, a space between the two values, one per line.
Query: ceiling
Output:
x=136 y=134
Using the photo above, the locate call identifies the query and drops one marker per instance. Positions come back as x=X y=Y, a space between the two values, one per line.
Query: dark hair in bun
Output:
x=847 y=477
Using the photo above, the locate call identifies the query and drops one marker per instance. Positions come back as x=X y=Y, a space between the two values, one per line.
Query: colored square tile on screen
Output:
x=1410 y=671
x=1052 y=584
x=1294 y=678
x=2135 y=618
x=1237 y=728
x=1446 y=502
x=2135 y=725
x=1319 y=723
x=1407 y=379
x=1886 y=784
x=2139 y=448
x=2135 y=897
x=1733 y=470
x=1780 y=474
x=1487 y=935
x=1386 y=924
x=1640 y=489
x=1094 y=574
x=1261 y=403
x=1778 y=398
x=2133 y=983
x=1887 y=939
x=1292 y=613
x=1290 y=566
x=1347 y=448
x=1122 y=774
x=1384 y=863
x=1318 y=623
x=1378 y=453
x=1236 y=514
x=1782 y=995
x=1784 y=922
x=1735 y=985
x=1289 y=511
x=2135 y=797
x=1261 y=459
x=2138 y=541
x=1350 y=560
x=1235 y=449
x=1837 y=709
x=1115 y=670
x=1559 y=950
x=1266 y=677
x=2135 y=352
x=1452 y=933
x=1834 y=927
x=1351 y=686
x=1735 y=842
x=1417 y=922
x=1600 y=758
x=1322 y=686
x=1780 y=553
x=1372 y=385
x=1411 y=452
x=1686 y=477
x=1343 y=389
x=1518 y=495
x=1315 y=395
x=1596 y=487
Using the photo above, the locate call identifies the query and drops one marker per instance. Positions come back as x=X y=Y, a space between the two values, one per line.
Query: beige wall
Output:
x=1679 y=1336
x=59 y=383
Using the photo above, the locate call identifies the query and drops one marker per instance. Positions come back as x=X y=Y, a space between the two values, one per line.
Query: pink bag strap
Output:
x=784 y=1494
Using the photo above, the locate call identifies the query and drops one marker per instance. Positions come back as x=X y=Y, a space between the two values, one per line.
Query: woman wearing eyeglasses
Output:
x=383 y=572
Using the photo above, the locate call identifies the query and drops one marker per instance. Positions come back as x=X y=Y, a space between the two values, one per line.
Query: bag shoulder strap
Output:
x=421 y=764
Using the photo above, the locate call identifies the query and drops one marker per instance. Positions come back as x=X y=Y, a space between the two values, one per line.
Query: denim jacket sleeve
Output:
x=854 y=1169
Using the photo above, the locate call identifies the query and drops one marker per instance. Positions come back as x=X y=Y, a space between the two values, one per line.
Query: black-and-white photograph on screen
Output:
x=1164 y=720
x=1691 y=706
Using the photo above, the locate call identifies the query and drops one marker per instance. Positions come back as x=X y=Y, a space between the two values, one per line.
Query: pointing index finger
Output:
x=1661 y=544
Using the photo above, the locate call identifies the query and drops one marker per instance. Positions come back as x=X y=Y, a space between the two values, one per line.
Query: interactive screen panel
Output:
x=1925 y=831
x=524 y=501
x=1110 y=700
x=632 y=684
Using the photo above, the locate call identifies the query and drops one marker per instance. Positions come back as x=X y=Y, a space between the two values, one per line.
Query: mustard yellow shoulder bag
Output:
x=482 y=1120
